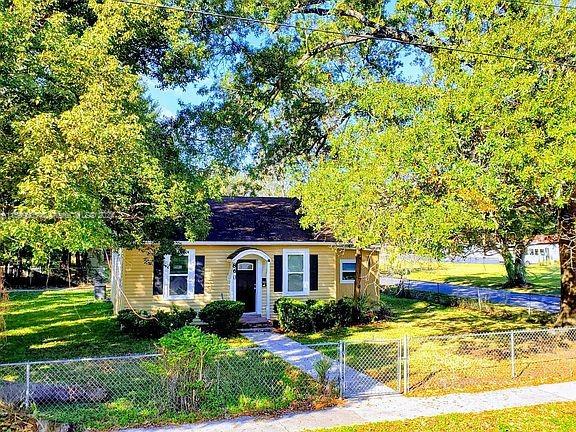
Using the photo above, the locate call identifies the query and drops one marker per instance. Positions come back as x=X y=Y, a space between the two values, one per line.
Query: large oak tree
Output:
x=482 y=143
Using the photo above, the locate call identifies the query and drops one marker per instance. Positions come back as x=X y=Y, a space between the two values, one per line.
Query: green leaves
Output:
x=480 y=154
x=87 y=163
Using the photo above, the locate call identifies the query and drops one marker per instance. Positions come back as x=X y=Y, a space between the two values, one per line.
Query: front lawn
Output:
x=545 y=278
x=465 y=363
x=70 y=323
x=62 y=324
x=556 y=417
x=422 y=318
x=66 y=323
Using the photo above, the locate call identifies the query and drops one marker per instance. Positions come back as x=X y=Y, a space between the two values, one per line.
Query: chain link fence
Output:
x=253 y=379
x=487 y=361
x=241 y=380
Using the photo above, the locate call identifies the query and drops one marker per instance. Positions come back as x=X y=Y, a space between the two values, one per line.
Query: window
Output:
x=179 y=276
x=347 y=270
x=296 y=272
x=245 y=266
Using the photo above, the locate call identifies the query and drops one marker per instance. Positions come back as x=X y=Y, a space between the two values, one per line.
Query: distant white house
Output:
x=543 y=248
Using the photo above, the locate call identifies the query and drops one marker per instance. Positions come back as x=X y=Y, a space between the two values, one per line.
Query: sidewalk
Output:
x=546 y=303
x=386 y=408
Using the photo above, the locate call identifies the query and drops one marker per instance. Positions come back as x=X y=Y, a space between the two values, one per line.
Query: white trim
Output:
x=258 y=305
x=342 y=262
x=305 y=253
x=259 y=243
x=264 y=257
x=116 y=279
x=268 y=283
x=339 y=245
x=247 y=252
x=190 y=277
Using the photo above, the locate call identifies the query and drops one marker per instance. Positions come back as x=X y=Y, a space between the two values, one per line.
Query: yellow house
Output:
x=256 y=252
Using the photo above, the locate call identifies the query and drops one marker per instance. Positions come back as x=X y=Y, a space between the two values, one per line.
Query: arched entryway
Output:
x=250 y=279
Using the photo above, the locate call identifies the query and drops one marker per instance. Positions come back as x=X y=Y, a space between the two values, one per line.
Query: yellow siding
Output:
x=138 y=269
x=369 y=276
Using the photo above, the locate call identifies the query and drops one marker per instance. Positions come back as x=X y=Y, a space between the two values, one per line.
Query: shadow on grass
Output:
x=63 y=324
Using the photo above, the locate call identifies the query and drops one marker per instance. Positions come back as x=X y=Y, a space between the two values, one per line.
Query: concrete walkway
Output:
x=304 y=358
x=386 y=408
x=546 y=303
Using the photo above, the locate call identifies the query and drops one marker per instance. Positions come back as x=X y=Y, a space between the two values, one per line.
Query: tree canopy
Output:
x=483 y=149
x=86 y=161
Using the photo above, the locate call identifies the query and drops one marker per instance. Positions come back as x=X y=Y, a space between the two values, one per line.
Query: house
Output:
x=256 y=252
x=542 y=248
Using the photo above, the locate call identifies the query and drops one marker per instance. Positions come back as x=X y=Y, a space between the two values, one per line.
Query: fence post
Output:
x=406 y=365
x=218 y=377
x=399 y=366
x=512 y=354
x=27 y=394
x=341 y=359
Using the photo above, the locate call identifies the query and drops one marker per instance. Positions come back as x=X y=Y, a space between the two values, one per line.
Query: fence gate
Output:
x=373 y=367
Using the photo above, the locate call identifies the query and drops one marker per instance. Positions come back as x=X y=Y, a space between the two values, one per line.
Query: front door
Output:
x=246 y=284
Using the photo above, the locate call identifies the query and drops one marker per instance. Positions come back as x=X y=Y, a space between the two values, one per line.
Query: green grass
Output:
x=451 y=365
x=422 y=318
x=243 y=382
x=70 y=323
x=556 y=417
x=65 y=323
x=545 y=278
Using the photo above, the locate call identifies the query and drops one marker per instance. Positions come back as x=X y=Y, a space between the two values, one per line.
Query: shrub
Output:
x=187 y=354
x=347 y=312
x=222 y=316
x=324 y=314
x=294 y=315
x=322 y=368
x=144 y=324
x=317 y=315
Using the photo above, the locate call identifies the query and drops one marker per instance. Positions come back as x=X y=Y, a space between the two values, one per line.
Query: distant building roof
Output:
x=545 y=239
x=250 y=219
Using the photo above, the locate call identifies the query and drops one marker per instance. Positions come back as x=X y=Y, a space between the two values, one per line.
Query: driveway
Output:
x=546 y=303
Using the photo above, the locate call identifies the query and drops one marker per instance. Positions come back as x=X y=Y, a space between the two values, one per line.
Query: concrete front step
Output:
x=256 y=330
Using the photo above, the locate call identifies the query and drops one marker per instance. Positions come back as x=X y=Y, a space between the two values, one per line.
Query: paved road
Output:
x=385 y=408
x=546 y=303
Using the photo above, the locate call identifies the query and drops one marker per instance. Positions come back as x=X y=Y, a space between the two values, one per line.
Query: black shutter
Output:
x=313 y=272
x=278 y=273
x=199 y=275
x=158 y=279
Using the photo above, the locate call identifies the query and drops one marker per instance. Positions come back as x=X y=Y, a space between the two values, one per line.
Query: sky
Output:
x=168 y=100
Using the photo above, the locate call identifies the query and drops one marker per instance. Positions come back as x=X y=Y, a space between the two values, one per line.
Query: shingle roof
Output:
x=259 y=219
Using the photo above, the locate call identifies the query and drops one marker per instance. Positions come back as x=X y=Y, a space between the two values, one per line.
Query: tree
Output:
x=491 y=150
x=86 y=162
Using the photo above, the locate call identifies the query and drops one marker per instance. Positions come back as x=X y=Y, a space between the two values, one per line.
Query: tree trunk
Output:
x=515 y=265
x=567 y=243
x=358 y=273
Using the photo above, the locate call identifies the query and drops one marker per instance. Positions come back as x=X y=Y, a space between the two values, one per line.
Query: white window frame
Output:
x=190 y=277
x=347 y=261
x=306 y=272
